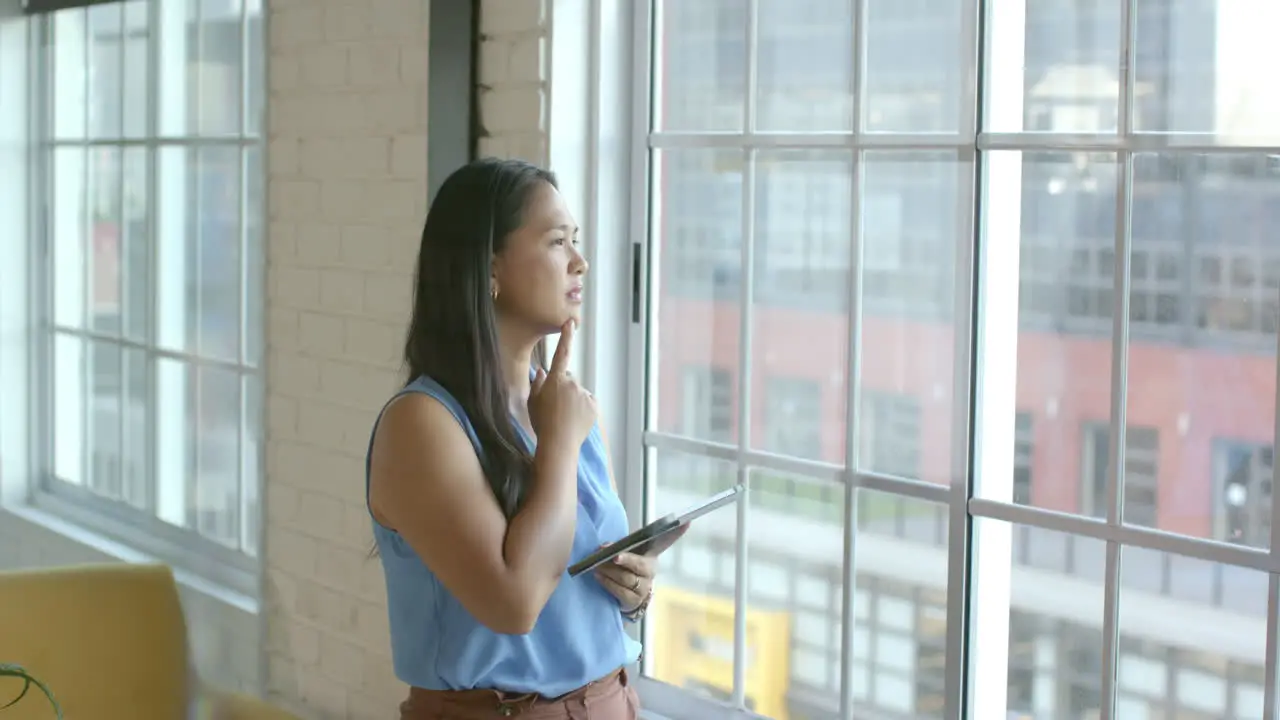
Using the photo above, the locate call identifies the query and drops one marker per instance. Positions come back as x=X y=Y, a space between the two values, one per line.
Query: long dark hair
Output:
x=453 y=335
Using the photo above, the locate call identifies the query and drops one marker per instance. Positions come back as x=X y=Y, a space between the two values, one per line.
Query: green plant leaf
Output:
x=17 y=671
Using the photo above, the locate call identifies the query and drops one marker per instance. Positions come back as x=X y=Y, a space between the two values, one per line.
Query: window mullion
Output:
x=152 y=122
x=746 y=319
x=853 y=394
x=1271 y=665
x=1118 y=440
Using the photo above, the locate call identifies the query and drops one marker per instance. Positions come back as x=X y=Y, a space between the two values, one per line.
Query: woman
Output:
x=488 y=475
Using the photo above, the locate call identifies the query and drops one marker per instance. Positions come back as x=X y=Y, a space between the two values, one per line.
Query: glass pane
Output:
x=252 y=448
x=1055 y=213
x=1056 y=71
x=175 y=236
x=135 y=235
x=793 y=595
x=218 y=257
x=1054 y=621
x=254 y=308
x=106 y=65
x=1201 y=659
x=137 y=71
x=912 y=225
x=1201 y=67
x=1204 y=309
x=217 y=501
x=803 y=234
x=804 y=73
x=105 y=418
x=135 y=423
x=70 y=398
x=255 y=70
x=175 y=441
x=700 y=68
x=900 y=606
x=105 y=236
x=70 y=74
x=690 y=624
x=70 y=225
x=913 y=80
x=698 y=224
x=177 y=67
x=220 y=68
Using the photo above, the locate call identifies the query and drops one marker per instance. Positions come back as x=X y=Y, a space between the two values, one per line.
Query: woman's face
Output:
x=540 y=271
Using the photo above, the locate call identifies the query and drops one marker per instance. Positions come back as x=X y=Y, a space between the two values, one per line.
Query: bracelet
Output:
x=637 y=613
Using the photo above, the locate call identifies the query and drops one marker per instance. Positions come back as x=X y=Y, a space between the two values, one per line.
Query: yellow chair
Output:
x=110 y=642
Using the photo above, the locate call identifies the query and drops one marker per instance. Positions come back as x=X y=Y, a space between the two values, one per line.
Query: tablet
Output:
x=657 y=536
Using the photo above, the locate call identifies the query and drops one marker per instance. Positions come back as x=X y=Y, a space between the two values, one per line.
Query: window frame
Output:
x=141 y=531
x=623 y=52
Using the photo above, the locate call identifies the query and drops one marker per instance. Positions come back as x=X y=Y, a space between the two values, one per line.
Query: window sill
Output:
x=660 y=701
x=113 y=549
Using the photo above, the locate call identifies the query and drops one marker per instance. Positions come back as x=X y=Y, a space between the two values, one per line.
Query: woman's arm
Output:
x=427 y=484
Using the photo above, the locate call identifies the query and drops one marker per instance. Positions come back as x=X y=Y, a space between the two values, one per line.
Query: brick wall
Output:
x=347 y=182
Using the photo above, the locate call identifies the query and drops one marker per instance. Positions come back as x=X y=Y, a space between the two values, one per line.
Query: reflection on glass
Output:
x=1204 y=276
x=701 y=65
x=255 y=98
x=1193 y=660
x=106 y=63
x=255 y=254
x=913 y=78
x=804 y=56
x=105 y=231
x=804 y=230
x=218 y=260
x=699 y=241
x=1059 y=71
x=70 y=227
x=910 y=231
x=690 y=624
x=67 y=57
x=136 y=75
x=105 y=418
x=217 y=499
x=793 y=595
x=175 y=440
x=176 y=224
x=70 y=396
x=901 y=607
x=177 y=48
x=218 y=62
x=1205 y=67
x=135 y=424
x=135 y=244
x=1057 y=211
x=1055 y=625
x=252 y=433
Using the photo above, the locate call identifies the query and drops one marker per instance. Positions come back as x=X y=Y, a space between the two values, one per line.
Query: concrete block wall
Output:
x=347 y=184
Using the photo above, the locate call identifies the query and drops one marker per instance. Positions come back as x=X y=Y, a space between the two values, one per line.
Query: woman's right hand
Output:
x=560 y=409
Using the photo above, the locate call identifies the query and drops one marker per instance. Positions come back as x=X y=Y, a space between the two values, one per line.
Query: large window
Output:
x=149 y=125
x=992 y=291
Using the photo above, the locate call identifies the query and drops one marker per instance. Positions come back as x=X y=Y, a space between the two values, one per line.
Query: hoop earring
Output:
x=494 y=293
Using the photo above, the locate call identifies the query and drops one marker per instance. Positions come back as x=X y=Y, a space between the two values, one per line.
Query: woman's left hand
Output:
x=629 y=578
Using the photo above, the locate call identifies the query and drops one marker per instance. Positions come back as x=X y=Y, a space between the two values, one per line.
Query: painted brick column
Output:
x=347 y=186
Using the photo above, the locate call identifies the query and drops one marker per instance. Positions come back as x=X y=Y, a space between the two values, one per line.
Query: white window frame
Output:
x=140 y=533
x=601 y=52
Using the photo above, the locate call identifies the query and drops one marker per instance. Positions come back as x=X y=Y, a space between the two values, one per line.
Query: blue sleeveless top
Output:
x=435 y=642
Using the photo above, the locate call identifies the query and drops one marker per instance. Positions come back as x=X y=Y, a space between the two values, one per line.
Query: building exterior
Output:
x=1204 y=313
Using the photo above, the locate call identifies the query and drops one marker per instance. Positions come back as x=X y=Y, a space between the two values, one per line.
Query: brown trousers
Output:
x=609 y=698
